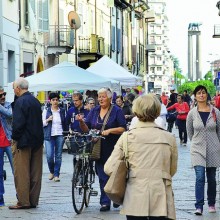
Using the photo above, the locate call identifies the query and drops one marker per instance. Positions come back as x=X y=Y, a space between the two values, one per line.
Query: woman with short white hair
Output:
x=152 y=159
x=115 y=126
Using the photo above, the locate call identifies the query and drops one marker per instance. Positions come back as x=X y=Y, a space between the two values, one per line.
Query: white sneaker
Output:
x=212 y=209
x=56 y=179
x=51 y=176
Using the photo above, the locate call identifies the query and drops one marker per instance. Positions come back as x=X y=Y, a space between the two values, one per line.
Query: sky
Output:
x=182 y=12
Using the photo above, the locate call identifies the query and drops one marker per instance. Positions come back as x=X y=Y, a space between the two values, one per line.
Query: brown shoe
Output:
x=19 y=207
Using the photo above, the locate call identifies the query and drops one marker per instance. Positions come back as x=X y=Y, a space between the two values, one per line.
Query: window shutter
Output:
x=118 y=40
x=40 y=15
x=43 y=24
x=113 y=38
x=45 y=15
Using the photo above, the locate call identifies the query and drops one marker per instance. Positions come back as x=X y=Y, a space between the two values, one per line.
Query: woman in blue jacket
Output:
x=54 y=122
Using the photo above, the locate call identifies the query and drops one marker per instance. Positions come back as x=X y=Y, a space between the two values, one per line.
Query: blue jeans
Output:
x=10 y=157
x=2 y=189
x=54 y=149
x=200 y=185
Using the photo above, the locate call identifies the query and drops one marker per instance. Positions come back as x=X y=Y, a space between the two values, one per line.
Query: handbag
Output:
x=116 y=185
x=171 y=116
x=96 y=150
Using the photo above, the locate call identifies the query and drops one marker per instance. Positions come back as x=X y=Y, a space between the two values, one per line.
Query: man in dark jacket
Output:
x=173 y=96
x=27 y=146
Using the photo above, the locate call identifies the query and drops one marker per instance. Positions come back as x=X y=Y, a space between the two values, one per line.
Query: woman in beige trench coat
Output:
x=152 y=157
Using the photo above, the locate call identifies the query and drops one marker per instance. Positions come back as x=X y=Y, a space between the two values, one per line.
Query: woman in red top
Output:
x=182 y=109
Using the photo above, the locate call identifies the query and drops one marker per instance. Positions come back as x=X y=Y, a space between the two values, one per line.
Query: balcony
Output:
x=90 y=49
x=216 y=31
x=60 y=39
x=92 y=44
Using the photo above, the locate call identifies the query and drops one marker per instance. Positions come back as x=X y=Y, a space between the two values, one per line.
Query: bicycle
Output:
x=80 y=145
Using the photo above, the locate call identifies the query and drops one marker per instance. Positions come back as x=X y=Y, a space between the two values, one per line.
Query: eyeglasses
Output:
x=3 y=94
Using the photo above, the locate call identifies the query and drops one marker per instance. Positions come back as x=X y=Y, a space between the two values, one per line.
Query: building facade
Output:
x=9 y=42
x=160 y=62
x=44 y=33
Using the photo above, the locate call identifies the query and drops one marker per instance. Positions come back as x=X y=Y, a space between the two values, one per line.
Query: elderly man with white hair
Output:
x=27 y=146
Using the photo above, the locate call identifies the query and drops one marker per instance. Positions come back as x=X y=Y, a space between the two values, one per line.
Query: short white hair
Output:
x=22 y=83
x=107 y=91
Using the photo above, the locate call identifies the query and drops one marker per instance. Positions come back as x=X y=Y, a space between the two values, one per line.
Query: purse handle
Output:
x=125 y=148
x=106 y=119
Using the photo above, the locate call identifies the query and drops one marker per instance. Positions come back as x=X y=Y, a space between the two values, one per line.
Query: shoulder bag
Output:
x=96 y=150
x=116 y=185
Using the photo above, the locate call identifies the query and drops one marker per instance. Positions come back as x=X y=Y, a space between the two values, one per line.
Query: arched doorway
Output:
x=40 y=67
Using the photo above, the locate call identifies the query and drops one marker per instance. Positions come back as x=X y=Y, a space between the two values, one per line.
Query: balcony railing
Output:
x=61 y=35
x=92 y=44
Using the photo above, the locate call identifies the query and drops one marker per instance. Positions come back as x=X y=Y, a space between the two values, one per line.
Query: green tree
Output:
x=190 y=86
x=209 y=76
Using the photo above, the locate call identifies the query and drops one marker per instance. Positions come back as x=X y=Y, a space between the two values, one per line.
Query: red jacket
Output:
x=217 y=102
x=182 y=110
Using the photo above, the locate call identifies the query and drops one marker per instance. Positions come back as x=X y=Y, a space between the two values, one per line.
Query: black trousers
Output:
x=182 y=130
x=130 y=217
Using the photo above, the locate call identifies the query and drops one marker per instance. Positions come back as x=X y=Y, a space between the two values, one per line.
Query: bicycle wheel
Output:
x=78 y=187
x=87 y=188
x=89 y=180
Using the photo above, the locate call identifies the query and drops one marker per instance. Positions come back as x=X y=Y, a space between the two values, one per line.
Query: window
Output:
x=152 y=60
x=159 y=68
x=30 y=12
x=159 y=58
x=11 y=66
x=152 y=69
x=152 y=39
x=43 y=20
x=141 y=49
x=158 y=37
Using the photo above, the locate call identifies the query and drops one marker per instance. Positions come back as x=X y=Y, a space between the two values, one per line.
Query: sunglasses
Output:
x=3 y=94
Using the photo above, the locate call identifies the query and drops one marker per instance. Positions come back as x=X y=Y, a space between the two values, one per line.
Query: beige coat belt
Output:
x=150 y=173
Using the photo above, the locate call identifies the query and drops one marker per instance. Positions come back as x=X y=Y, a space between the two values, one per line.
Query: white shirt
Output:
x=57 y=128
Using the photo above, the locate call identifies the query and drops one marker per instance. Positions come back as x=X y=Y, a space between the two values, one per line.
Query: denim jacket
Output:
x=6 y=119
x=48 y=128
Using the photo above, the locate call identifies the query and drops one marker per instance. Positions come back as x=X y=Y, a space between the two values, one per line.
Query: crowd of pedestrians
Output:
x=148 y=120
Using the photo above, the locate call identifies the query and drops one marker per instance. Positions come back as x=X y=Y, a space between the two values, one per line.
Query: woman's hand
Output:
x=106 y=132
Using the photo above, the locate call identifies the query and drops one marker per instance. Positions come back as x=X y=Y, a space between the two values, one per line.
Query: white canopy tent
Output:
x=108 y=68
x=67 y=76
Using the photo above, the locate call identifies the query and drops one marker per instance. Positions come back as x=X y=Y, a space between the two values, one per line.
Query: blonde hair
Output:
x=147 y=107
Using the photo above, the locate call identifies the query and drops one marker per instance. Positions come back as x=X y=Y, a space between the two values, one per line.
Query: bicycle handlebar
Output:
x=92 y=133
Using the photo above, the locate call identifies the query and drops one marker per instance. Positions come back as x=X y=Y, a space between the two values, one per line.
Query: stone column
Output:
x=198 y=57
x=190 y=57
